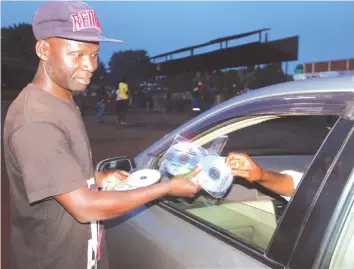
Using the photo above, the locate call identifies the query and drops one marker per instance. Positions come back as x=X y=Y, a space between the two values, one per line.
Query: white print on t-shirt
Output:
x=93 y=242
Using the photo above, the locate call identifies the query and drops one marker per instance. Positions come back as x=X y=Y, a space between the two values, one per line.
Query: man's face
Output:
x=70 y=63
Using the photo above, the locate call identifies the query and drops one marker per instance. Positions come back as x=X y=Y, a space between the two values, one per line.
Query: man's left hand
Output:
x=110 y=177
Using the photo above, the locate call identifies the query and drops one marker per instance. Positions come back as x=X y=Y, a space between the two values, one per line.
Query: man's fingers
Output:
x=195 y=171
x=228 y=159
x=124 y=173
x=234 y=156
x=240 y=173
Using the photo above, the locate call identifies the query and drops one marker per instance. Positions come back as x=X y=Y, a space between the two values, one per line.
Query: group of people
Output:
x=204 y=97
x=122 y=101
x=57 y=208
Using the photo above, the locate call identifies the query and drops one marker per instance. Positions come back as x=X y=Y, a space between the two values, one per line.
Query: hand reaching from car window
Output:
x=243 y=166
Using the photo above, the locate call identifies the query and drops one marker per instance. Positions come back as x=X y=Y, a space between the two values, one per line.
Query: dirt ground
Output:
x=109 y=139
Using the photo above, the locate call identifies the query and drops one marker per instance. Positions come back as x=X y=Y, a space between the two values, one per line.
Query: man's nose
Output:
x=89 y=64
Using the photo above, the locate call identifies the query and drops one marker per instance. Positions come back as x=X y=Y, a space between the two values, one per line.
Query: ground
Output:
x=109 y=139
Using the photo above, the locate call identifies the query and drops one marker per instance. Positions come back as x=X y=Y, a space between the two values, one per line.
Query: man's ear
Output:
x=42 y=49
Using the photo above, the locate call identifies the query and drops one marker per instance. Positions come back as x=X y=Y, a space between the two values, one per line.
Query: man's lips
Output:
x=84 y=81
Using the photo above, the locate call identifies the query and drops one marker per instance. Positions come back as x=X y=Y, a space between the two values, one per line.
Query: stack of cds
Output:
x=138 y=179
x=183 y=156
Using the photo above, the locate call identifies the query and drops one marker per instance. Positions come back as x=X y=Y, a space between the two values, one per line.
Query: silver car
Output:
x=305 y=126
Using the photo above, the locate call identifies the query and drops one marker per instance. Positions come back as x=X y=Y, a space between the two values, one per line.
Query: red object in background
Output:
x=201 y=87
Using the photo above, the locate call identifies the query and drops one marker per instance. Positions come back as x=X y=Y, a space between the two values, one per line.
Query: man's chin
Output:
x=78 y=88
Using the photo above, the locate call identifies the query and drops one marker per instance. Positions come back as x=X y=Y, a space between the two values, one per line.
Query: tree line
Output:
x=19 y=63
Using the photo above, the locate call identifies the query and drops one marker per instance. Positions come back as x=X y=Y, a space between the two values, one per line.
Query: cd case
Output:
x=183 y=156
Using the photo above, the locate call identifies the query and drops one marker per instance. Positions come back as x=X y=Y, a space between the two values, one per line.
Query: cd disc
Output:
x=215 y=176
x=144 y=177
x=181 y=158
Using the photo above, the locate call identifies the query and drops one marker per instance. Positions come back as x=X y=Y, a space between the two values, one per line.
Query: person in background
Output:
x=122 y=101
x=168 y=101
x=101 y=100
x=196 y=103
x=208 y=98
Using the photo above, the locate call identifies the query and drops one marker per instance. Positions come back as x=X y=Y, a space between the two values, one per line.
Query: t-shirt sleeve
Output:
x=296 y=178
x=46 y=162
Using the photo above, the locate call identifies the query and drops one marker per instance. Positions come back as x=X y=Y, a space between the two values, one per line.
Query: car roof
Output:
x=329 y=87
x=316 y=85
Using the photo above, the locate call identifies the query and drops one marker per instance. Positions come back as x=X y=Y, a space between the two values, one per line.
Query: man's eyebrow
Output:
x=83 y=50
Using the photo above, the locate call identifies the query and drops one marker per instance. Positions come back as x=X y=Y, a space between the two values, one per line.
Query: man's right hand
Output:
x=243 y=166
x=183 y=186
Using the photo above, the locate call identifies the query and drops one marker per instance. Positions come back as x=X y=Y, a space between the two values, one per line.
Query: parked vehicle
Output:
x=282 y=127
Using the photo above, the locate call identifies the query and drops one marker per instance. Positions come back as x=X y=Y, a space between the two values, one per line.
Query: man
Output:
x=196 y=103
x=100 y=100
x=55 y=202
x=122 y=101
x=283 y=183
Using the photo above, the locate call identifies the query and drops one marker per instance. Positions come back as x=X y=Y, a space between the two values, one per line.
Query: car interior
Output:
x=249 y=211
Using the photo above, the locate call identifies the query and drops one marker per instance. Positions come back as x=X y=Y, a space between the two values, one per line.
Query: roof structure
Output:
x=212 y=42
x=254 y=53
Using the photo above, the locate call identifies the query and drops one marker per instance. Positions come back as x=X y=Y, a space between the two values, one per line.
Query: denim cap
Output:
x=68 y=19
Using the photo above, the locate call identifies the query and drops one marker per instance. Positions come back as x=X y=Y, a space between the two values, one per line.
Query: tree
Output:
x=132 y=65
x=19 y=59
x=100 y=72
x=18 y=42
x=268 y=75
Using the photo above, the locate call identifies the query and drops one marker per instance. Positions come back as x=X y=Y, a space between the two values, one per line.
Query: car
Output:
x=282 y=127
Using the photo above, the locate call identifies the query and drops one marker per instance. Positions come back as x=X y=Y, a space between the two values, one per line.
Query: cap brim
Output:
x=92 y=38
x=106 y=39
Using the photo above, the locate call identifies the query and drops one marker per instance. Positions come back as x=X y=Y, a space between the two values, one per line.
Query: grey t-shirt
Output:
x=47 y=153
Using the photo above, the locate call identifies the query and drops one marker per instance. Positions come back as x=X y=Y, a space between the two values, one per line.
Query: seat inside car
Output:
x=242 y=220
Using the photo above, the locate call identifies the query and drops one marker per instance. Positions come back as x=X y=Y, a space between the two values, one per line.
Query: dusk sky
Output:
x=325 y=28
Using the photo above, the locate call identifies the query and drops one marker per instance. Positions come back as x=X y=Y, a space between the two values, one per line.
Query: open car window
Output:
x=249 y=212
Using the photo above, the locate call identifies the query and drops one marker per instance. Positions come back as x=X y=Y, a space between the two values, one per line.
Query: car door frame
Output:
x=291 y=224
x=327 y=215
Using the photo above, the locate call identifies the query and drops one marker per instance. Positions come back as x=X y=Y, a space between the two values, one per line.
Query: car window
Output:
x=252 y=222
x=292 y=135
x=249 y=212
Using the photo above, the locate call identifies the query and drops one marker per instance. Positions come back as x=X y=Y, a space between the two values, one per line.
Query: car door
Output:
x=327 y=236
x=162 y=235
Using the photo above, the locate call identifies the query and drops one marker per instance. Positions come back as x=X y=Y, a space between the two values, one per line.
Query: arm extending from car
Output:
x=282 y=184
x=243 y=166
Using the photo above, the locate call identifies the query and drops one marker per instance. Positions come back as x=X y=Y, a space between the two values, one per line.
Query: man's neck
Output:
x=42 y=80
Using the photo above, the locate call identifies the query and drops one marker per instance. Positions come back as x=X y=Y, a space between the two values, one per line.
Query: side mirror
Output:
x=122 y=163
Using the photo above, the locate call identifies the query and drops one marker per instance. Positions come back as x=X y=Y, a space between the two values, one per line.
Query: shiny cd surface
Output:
x=143 y=178
x=181 y=158
x=215 y=175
